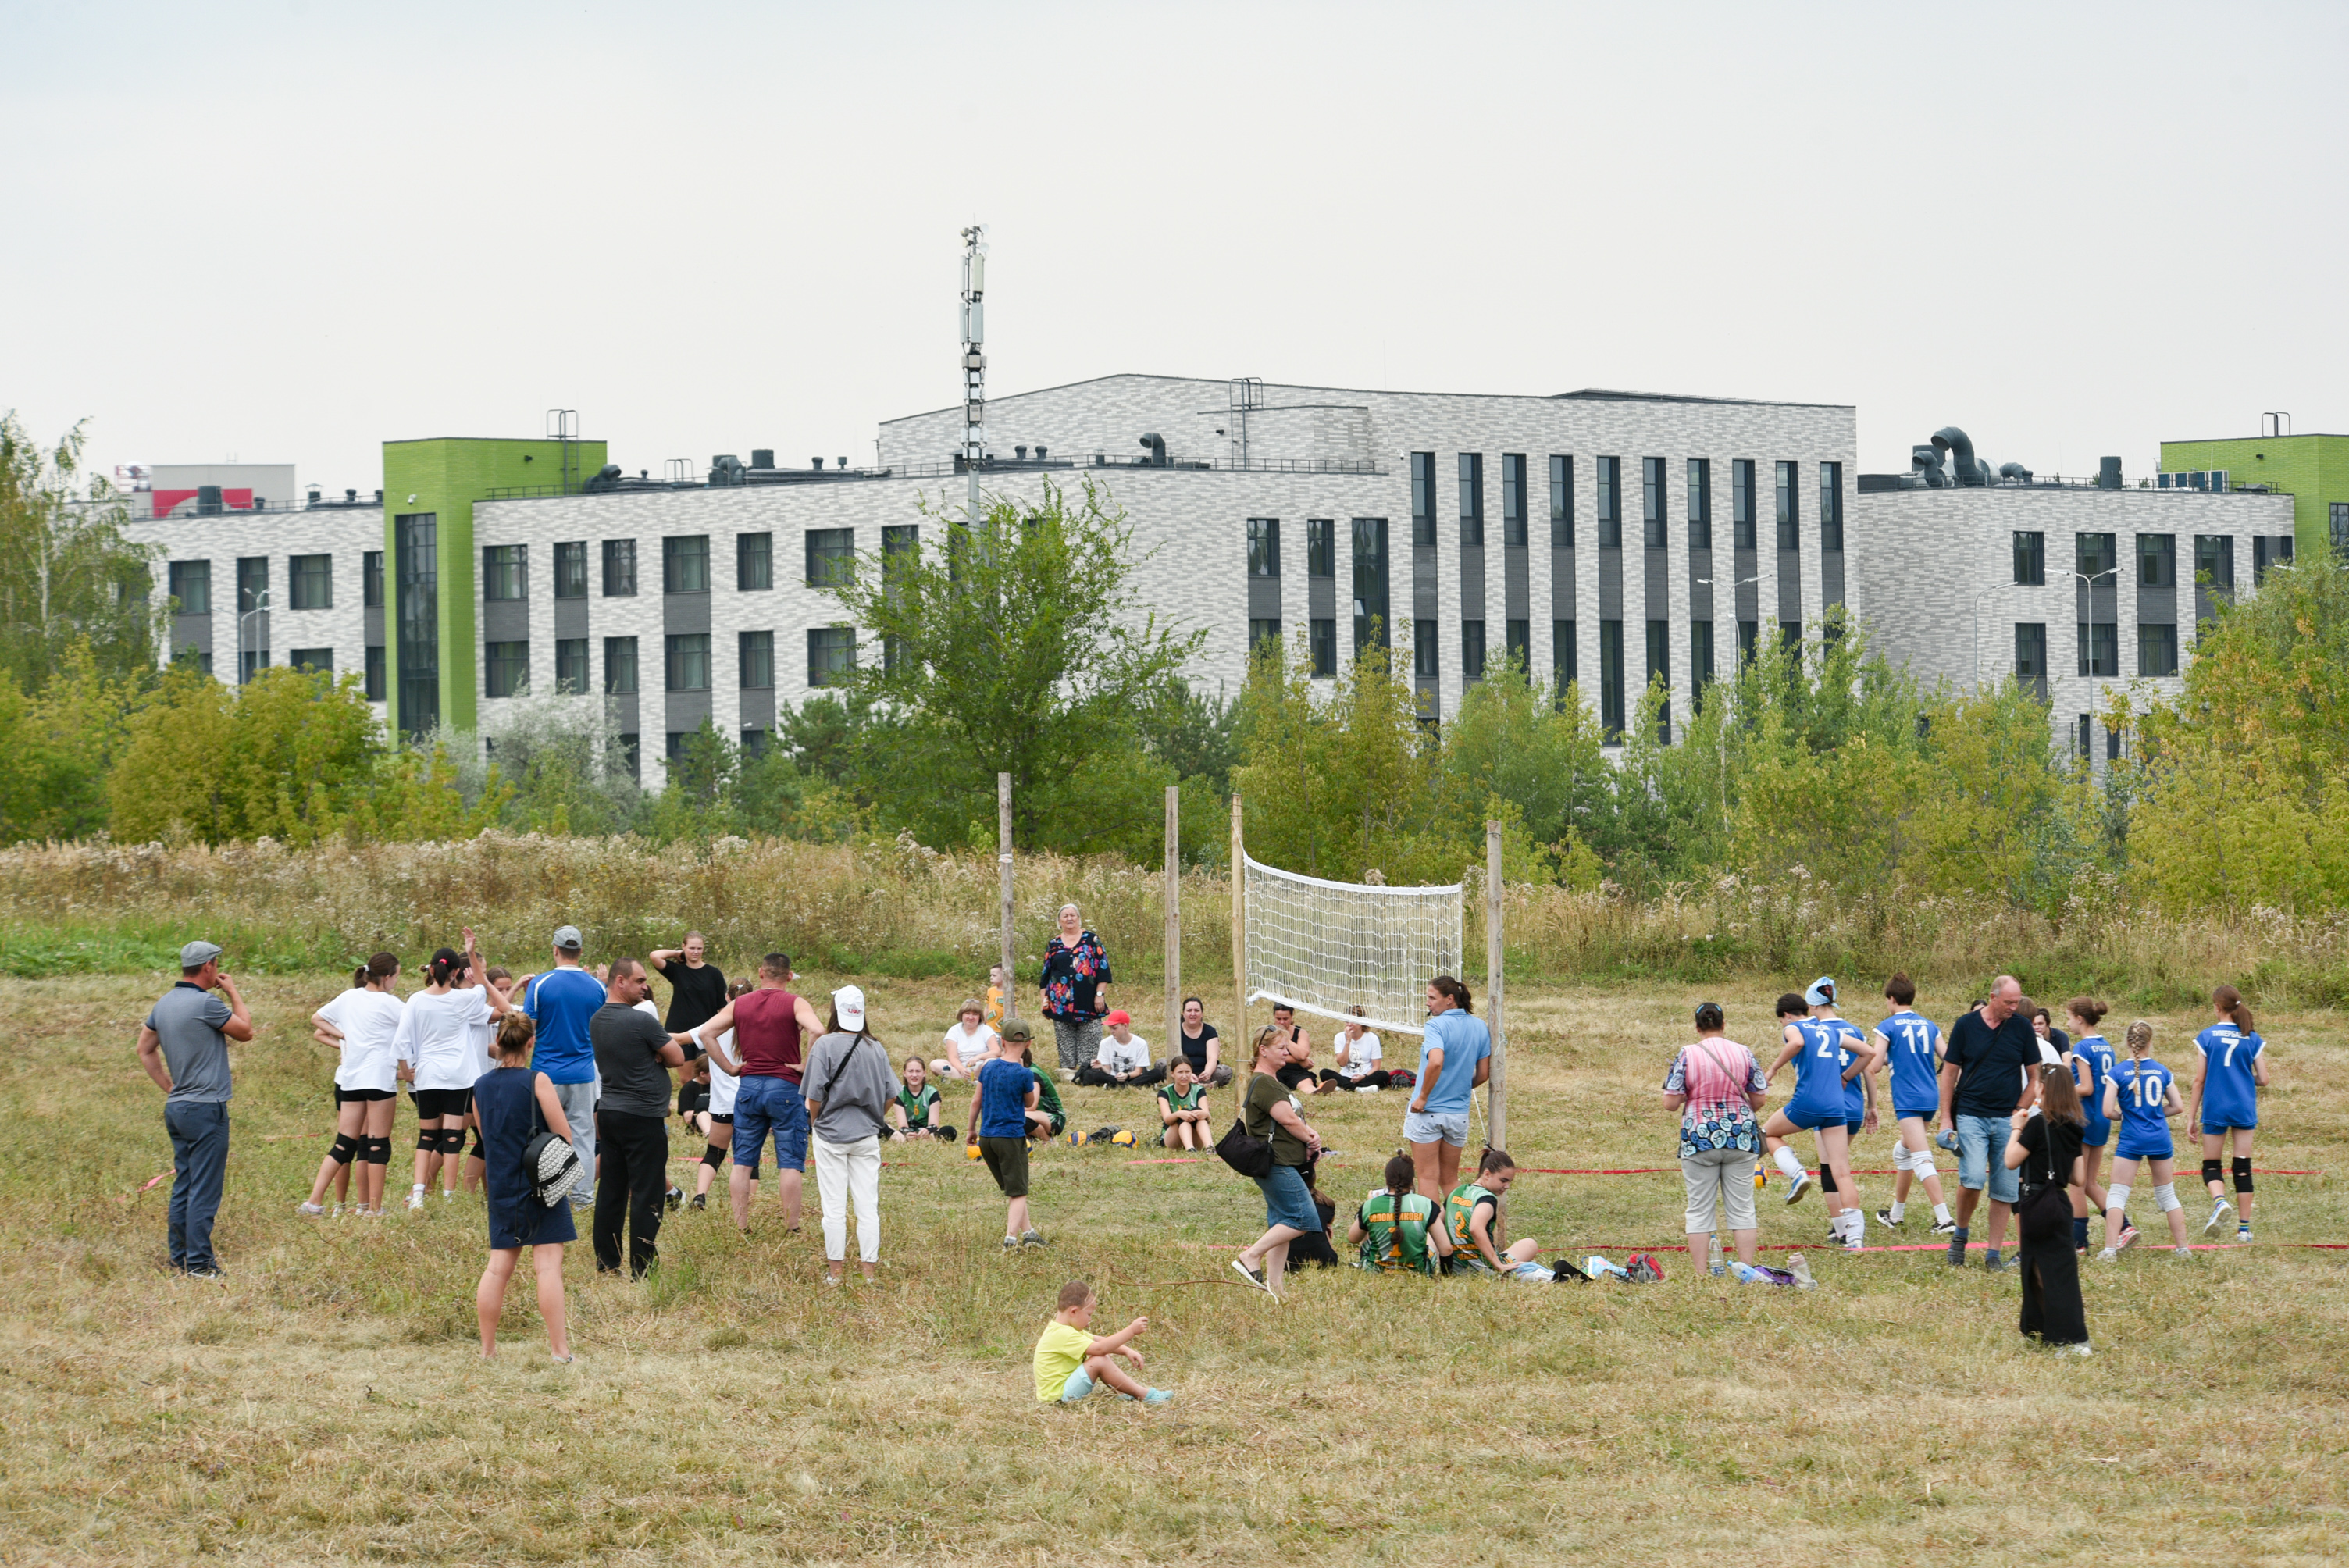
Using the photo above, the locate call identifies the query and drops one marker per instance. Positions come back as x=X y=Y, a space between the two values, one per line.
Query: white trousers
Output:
x=845 y=1174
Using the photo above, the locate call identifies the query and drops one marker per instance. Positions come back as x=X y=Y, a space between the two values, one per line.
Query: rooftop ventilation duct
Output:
x=2014 y=471
x=2108 y=473
x=726 y=469
x=763 y=457
x=1157 y=445
x=1967 y=469
x=1925 y=463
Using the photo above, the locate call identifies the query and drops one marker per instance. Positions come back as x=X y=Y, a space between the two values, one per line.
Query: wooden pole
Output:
x=1496 y=1113
x=1174 y=919
x=1003 y=862
x=1242 y=1054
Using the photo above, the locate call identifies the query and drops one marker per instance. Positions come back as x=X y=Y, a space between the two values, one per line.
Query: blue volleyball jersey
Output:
x=1849 y=1042
x=2095 y=1053
x=2140 y=1084
x=1915 y=1048
x=1818 y=1068
x=2231 y=1095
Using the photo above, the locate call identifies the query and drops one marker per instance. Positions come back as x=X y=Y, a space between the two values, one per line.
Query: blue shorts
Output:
x=1286 y=1202
x=2220 y=1129
x=1925 y=1113
x=2128 y=1151
x=1080 y=1384
x=1982 y=1156
x=2098 y=1133
x=1810 y=1118
x=771 y=1104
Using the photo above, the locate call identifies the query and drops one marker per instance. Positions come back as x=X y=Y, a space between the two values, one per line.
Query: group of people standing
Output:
x=2029 y=1108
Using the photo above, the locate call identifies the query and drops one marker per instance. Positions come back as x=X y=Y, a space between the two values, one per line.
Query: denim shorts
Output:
x=765 y=1104
x=1286 y=1202
x=1981 y=1156
x=1436 y=1127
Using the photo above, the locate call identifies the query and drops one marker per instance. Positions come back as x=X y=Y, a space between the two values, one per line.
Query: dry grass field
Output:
x=327 y=1403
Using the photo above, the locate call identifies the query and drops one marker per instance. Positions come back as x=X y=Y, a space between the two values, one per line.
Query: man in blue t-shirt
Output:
x=560 y=1003
x=1455 y=1057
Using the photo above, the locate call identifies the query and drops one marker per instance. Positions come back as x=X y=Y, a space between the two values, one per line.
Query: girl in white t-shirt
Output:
x=968 y=1043
x=362 y=1022
x=1357 y=1059
x=435 y=1047
x=716 y=1123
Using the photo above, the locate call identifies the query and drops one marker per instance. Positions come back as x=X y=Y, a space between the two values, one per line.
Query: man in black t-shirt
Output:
x=632 y=1054
x=1985 y=1079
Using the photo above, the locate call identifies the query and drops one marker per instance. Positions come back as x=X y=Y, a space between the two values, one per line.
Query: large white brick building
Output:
x=1604 y=537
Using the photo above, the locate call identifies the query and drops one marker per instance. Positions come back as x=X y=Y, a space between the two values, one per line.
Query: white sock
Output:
x=1899 y=1211
x=1788 y=1162
x=1941 y=1214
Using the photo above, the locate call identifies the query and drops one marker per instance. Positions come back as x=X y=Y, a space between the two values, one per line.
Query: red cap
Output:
x=1122 y=1016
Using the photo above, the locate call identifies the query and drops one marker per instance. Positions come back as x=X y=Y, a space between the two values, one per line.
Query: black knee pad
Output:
x=2212 y=1171
x=376 y=1150
x=713 y=1157
x=428 y=1140
x=344 y=1150
x=452 y=1141
x=478 y=1152
x=2243 y=1175
x=1826 y=1177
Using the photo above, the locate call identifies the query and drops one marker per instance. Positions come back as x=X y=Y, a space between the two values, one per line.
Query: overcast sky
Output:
x=287 y=232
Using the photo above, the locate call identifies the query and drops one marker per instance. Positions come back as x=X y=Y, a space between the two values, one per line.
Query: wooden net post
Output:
x=1243 y=1063
x=1174 y=1037
x=1497 y=1114
x=1003 y=863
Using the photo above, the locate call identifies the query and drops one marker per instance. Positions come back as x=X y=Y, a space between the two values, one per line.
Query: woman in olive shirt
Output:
x=1289 y=1208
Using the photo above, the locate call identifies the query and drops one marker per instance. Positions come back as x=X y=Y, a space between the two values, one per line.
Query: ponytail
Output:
x=2229 y=1001
x=1445 y=985
x=444 y=966
x=360 y=978
x=2140 y=1036
x=2088 y=1009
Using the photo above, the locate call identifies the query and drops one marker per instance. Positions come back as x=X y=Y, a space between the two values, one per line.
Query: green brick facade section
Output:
x=445 y=476
x=2312 y=470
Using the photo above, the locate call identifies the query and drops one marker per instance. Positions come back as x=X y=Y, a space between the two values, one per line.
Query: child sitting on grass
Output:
x=1183 y=1112
x=1070 y=1363
x=915 y=1113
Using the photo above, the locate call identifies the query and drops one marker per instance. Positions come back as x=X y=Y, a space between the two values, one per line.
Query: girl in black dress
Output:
x=2045 y=1153
x=515 y=1103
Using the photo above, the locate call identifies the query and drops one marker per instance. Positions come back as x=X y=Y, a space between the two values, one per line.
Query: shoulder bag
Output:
x=1244 y=1151
x=550 y=1162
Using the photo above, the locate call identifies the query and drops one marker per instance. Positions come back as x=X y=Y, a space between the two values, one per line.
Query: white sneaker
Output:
x=1800 y=1185
x=416 y=1198
x=2079 y=1349
x=312 y=1209
x=2218 y=1212
x=2109 y=1255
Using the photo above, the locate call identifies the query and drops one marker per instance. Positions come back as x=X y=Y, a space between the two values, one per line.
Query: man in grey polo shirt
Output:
x=183 y=1046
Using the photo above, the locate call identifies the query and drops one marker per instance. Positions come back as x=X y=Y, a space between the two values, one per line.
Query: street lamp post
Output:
x=2087 y=655
x=260 y=607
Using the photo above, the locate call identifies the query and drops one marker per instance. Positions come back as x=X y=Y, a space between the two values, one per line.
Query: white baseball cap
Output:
x=849 y=1003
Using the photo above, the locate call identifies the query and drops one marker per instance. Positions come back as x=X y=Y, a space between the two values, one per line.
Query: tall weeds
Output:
x=898 y=908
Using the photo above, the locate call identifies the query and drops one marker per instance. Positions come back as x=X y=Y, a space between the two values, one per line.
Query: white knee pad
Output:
x=2166 y=1195
x=1899 y=1157
x=2116 y=1198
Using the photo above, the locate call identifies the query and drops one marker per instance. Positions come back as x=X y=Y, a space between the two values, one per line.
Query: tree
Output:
x=68 y=572
x=1012 y=644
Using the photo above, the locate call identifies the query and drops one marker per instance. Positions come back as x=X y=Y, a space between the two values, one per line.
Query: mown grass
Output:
x=326 y=1404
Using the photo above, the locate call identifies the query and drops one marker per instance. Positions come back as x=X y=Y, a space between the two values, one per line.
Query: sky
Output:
x=288 y=231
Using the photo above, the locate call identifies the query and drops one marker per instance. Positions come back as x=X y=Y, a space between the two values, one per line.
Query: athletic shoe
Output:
x=1993 y=1263
x=1957 y=1249
x=211 y=1273
x=415 y=1198
x=2242 y=1232
x=2109 y=1255
x=1944 y=1228
x=312 y=1209
x=701 y=1199
x=2129 y=1240
x=1801 y=1185
x=2185 y=1253
x=1155 y=1397
x=1033 y=1239
x=675 y=1197
x=1254 y=1276
x=1856 y=1242
x=1884 y=1217
x=1800 y=1270
x=2219 y=1211
x=2079 y=1349
x=1010 y=1243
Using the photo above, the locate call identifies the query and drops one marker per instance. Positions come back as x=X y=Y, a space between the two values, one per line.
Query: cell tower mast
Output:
x=974 y=357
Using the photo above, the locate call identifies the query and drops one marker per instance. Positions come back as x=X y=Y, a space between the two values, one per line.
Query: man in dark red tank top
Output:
x=771 y=1028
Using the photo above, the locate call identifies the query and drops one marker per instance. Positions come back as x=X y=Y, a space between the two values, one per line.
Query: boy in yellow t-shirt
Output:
x=998 y=996
x=1069 y=1362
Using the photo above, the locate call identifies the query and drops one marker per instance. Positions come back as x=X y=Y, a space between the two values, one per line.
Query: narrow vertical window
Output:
x=1513 y=497
x=1472 y=500
x=1264 y=546
x=1790 y=535
x=754 y=563
x=1422 y=500
x=1700 y=503
x=1830 y=506
x=1611 y=680
x=1561 y=502
x=1741 y=503
x=1651 y=502
x=1611 y=507
x=571 y=570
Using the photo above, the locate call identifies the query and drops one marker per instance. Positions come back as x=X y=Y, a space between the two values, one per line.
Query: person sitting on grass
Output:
x=1124 y=1057
x=1357 y=1059
x=915 y=1113
x=1047 y=1117
x=1183 y=1113
x=1472 y=1220
x=1001 y=1104
x=1396 y=1228
x=1299 y=1067
x=970 y=1042
x=1070 y=1363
